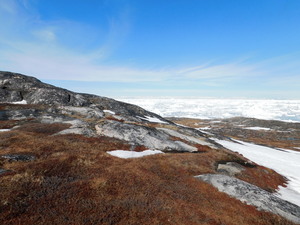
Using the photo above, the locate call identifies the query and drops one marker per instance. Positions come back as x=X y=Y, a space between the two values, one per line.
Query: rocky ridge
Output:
x=90 y=115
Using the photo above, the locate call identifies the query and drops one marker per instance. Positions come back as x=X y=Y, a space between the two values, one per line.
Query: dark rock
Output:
x=3 y=171
x=18 y=157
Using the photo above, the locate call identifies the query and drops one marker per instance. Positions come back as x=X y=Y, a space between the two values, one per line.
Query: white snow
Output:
x=23 y=102
x=4 y=130
x=203 y=131
x=132 y=154
x=258 y=128
x=285 y=162
x=297 y=148
x=204 y=128
x=109 y=111
x=287 y=110
x=152 y=119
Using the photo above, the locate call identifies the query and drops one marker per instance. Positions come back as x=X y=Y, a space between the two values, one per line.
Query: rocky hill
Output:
x=58 y=165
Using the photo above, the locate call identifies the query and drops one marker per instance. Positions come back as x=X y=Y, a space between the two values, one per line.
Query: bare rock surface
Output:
x=18 y=157
x=92 y=115
x=253 y=195
x=141 y=135
x=16 y=87
x=230 y=168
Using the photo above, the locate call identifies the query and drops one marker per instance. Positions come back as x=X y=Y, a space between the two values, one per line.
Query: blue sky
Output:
x=200 y=48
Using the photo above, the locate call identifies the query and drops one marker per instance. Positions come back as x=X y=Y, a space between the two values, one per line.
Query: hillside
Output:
x=56 y=165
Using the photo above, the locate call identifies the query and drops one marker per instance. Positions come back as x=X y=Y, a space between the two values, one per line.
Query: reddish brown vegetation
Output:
x=115 y=119
x=74 y=181
x=7 y=124
x=42 y=128
x=263 y=177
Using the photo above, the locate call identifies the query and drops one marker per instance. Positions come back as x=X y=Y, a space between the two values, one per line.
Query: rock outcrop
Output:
x=92 y=115
x=253 y=195
x=230 y=168
x=142 y=135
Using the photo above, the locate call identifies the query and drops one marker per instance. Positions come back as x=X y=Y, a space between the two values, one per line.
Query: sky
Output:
x=158 y=48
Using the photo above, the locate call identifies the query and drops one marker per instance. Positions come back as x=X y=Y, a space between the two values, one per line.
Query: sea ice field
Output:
x=285 y=110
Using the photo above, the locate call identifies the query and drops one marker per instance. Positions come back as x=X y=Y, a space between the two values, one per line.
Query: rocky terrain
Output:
x=278 y=134
x=55 y=167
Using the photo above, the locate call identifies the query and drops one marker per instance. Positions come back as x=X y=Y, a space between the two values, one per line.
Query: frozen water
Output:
x=287 y=110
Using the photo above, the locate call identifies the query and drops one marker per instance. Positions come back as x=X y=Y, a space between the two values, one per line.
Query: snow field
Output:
x=285 y=162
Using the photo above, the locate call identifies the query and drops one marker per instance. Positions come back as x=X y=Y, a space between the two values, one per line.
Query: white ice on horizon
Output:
x=285 y=162
x=152 y=119
x=286 y=110
x=258 y=128
x=132 y=154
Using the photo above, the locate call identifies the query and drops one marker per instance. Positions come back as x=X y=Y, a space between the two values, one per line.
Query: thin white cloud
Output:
x=45 y=34
x=34 y=47
x=8 y=6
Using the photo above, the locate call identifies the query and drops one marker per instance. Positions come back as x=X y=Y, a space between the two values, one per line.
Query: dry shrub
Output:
x=42 y=128
x=8 y=124
x=262 y=177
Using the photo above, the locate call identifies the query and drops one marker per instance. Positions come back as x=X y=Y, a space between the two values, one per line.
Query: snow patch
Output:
x=286 y=163
x=152 y=119
x=132 y=154
x=109 y=111
x=23 y=102
x=258 y=128
x=205 y=132
x=204 y=128
x=5 y=130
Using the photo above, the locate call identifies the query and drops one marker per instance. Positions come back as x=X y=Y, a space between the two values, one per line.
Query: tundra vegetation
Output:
x=72 y=180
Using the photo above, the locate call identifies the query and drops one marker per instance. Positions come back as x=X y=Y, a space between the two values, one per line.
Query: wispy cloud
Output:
x=35 y=47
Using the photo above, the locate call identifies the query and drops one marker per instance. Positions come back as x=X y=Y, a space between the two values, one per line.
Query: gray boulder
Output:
x=253 y=195
x=230 y=168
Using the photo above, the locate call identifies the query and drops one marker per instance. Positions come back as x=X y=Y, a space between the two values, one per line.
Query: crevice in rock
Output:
x=21 y=95
x=69 y=98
